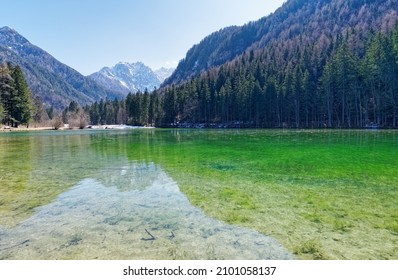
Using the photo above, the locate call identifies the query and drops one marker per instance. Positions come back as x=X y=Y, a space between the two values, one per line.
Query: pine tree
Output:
x=94 y=114
x=23 y=105
x=144 y=116
x=50 y=112
x=15 y=96
x=1 y=113
x=7 y=94
x=170 y=106
x=39 y=114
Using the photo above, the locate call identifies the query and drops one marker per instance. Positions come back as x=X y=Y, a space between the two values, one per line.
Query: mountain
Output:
x=130 y=77
x=56 y=83
x=310 y=19
x=163 y=73
x=311 y=64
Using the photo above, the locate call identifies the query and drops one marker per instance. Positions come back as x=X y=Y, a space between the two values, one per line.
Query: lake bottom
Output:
x=131 y=212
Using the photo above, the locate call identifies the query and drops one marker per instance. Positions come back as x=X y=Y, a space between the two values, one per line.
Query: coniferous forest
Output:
x=340 y=82
x=312 y=64
x=15 y=96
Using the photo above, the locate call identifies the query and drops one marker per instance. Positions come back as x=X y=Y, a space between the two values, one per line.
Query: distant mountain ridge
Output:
x=163 y=73
x=56 y=83
x=130 y=77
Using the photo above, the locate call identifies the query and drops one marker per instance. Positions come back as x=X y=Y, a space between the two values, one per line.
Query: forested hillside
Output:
x=320 y=63
x=297 y=20
x=56 y=83
x=345 y=86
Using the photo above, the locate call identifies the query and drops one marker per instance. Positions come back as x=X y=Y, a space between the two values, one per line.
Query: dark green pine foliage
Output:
x=1 y=112
x=349 y=84
x=23 y=98
x=341 y=86
x=7 y=94
x=16 y=98
x=380 y=73
x=346 y=81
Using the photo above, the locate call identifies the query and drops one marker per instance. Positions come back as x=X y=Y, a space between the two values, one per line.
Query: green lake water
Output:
x=199 y=194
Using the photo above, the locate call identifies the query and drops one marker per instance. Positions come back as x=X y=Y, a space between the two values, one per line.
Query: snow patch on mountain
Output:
x=163 y=73
x=131 y=77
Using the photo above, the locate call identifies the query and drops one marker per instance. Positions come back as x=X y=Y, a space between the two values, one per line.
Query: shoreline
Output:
x=14 y=129
x=5 y=129
x=90 y=127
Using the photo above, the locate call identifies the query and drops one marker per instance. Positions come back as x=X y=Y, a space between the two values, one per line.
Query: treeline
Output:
x=346 y=83
x=140 y=109
x=15 y=96
x=18 y=106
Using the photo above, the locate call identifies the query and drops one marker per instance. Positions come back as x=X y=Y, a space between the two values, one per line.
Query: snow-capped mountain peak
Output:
x=163 y=73
x=130 y=77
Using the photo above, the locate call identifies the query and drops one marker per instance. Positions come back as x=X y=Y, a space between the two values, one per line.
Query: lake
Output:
x=199 y=194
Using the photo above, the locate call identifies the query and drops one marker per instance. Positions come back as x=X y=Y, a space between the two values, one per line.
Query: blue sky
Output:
x=90 y=34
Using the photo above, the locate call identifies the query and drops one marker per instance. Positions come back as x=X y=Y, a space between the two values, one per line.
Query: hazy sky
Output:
x=90 y=34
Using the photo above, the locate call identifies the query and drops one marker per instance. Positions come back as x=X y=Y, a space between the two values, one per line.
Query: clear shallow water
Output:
x=129 y=210
x=328 y=194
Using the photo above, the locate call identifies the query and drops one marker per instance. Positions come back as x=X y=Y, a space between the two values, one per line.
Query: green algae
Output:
x=322 y=194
